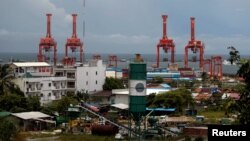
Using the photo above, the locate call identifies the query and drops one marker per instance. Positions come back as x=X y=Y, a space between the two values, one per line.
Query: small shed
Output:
x=33 y=121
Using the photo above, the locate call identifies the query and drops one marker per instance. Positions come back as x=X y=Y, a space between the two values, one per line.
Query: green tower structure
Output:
x=137 y=93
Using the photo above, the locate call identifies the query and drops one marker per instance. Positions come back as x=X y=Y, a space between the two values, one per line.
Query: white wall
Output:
x=122 y=98
x=113 y=74
x=91 y=77
x=47 y=88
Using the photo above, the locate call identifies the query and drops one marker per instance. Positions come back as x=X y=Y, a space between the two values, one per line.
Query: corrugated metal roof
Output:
x=161 y=109
x=120 y=106
x=114 y=69
x=165 y=86
x=31 y=64
x=30 y=115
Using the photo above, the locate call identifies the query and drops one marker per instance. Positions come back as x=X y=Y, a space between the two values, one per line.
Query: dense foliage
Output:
x=113 y=83
x=244 y=102
x=59 y=106
x=7 y=130
x=6 y=76
x=234 y=55
x=178 y=99
x=11 y=97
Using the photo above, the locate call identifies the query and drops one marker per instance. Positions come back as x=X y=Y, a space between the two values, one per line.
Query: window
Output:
x=49 y=94
x=96 y=82
x=41 y=95
x=87 y=82
x=96 y=73
x=87 y=73
x=49 y=84
x=112 y=101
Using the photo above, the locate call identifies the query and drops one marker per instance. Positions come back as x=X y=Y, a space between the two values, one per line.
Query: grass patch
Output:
x=212 y=116
x=22 y=136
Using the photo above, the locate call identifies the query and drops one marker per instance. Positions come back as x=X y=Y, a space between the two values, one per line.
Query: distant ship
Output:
x=226 y=62
x=123 y=60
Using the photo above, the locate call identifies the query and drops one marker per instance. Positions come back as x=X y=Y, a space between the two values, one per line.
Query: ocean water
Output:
x=150 y=59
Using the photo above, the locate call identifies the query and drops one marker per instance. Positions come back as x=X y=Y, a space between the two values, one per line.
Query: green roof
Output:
x=4 y=114
x=61 y=119
x=27 y=75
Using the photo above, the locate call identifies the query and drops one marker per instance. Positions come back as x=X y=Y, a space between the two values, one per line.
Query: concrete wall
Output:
x=47 y=88
x=91 y=78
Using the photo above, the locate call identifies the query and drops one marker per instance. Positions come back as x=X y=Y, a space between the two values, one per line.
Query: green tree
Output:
x=178 y=99
x=158 y=79
x=6 y=77
x=13 y=103
x=244 y=101
x=199 y=138
x=229 y=106
x=7 y=130
x=33 y=103
x=60 y=105
x=82 y=95
x=150 y=99
x=113 y=83
x=234 y=55
x=216 y=98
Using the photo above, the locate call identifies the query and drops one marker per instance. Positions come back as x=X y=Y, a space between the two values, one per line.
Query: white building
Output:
x=36 y=79
x=121 y=96
x=91 y=76
x=114 y=72
x=34 y=68
x=51 y=83
x=70 y=73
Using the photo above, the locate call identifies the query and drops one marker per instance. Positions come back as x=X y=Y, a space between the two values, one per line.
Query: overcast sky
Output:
x=126 y=26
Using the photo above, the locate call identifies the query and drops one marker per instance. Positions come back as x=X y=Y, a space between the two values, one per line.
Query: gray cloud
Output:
x=129 y=26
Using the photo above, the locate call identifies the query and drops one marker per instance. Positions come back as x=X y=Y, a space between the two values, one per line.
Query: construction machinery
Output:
x=195 y=46
x=46 y=45
x=165 y=43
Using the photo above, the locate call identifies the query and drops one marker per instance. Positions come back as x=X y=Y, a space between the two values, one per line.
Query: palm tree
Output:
x=6 y=77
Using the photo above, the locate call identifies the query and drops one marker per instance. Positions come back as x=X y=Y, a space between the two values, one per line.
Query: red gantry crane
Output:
x=166 y=43
x=74 y=44
x=113 y=61
x=46 y=44
x=217 y=67
x=96 y=57
x=194 y=45
x=207 y=62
